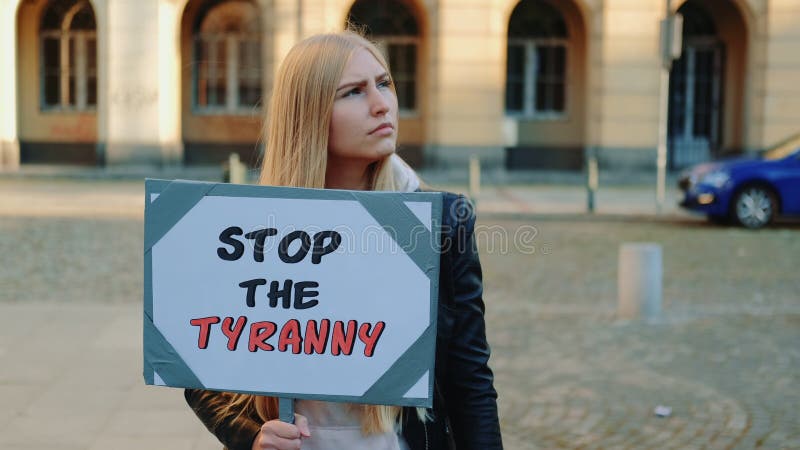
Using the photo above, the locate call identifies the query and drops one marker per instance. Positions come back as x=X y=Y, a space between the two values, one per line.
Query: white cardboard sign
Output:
x=300 y=293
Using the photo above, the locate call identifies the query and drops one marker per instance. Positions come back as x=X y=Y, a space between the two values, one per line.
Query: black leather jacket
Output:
x=464 y=413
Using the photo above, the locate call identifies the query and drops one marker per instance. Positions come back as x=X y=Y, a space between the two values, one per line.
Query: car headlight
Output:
x=716 y=178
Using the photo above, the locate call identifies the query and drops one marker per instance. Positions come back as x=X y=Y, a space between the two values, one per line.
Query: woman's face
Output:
x=364 y=118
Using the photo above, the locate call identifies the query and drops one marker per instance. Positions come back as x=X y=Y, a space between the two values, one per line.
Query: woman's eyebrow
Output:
x=361 y=82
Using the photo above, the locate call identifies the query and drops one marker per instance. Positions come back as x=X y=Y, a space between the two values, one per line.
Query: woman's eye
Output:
x=385 y=83
x=354 y=91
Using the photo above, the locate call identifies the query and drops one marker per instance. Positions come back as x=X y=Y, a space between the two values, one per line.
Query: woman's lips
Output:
x=383 y=129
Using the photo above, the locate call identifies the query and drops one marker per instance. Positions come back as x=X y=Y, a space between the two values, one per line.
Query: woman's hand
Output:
x=277 y=435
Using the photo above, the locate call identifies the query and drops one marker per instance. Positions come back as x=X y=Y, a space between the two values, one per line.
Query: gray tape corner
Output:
x=160 y=356
x=406 y=371
x=175 y=200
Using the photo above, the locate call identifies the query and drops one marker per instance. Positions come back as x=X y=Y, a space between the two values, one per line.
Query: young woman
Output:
x=332 y=123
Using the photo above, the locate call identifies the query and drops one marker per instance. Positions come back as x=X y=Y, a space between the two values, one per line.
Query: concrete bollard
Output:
x=237 y=172
x=474 y=178
x=639 y=281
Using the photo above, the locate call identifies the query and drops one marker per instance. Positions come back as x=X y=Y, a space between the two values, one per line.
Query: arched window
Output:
x=537 y=59
x=68 y=56
x=227 y=52
x=393 y=26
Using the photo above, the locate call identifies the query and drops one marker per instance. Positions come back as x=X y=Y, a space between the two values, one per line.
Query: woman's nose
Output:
x=379 y=104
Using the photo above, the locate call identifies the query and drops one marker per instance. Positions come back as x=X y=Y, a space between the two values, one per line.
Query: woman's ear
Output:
x=405 y=177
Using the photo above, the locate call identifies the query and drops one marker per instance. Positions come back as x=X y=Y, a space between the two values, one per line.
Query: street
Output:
x=724 y=357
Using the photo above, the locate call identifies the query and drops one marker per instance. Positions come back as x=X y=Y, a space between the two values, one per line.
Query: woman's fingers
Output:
x=281 y=429
x=302 y=425
x=276 y=443
x=278 y=435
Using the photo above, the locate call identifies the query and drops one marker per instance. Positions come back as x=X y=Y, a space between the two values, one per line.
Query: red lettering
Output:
x=259 y=333
x=205 y=329
x=233 y=332
x=370 y=340
x=342 y=335
x=316 y=338
x=342 y=342
x=290 y=335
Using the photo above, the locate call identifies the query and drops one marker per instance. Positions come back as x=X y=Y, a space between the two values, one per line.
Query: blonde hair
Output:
x=297 y=129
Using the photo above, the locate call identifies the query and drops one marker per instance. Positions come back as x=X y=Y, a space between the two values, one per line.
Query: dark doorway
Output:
x=695 y=91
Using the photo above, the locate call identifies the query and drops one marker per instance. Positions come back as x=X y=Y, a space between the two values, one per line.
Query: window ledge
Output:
x=73 y=111
x=539 y=117
x=249 y=112
x=409 y=114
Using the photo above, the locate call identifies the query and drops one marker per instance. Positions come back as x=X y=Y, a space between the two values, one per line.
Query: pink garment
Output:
x=334 y=427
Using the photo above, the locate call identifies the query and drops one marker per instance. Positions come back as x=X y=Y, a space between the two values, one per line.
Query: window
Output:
x=536 y=61
x=227 y=52
x=68 y=56
x=392 y=25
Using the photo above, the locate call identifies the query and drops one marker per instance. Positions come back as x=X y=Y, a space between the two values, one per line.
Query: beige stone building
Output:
x=521 y=83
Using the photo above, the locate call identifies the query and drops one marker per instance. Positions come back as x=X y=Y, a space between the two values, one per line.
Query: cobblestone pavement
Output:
x=725 y=356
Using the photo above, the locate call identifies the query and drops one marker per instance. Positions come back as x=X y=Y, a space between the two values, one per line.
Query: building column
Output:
x=9 y=139
x=626 y=85
x=170 y=137
x=132 y=107
x=594 y=61
x=467 y=76
x=286 y=30
x=781 y=98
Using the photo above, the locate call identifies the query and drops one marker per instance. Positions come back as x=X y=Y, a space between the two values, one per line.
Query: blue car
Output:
x=751 y=191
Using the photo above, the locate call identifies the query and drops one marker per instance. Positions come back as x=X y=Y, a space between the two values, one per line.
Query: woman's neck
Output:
x=350 y=174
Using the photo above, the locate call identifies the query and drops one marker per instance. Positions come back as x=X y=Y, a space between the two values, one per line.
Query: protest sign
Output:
x=295 y=293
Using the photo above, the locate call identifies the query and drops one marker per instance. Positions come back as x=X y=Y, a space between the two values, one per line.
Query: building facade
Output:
x=520 y=83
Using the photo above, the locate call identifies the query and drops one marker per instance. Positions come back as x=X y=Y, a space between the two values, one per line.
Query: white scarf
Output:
x=404 y=176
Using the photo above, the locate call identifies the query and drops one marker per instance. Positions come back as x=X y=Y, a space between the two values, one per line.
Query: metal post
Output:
x=591 y=178
x=663 y=112
x=661 y=156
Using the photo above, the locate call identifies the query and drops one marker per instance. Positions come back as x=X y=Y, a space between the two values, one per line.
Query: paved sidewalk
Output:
x=36 y=196
x=70 y=378
x=573 y=200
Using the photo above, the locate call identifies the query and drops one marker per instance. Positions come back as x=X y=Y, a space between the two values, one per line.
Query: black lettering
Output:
x=226 y=237
x=305 y=246
x=251 y=289
x=300 y=293
x=284 y=294
x=260 y=236
x=320 y=250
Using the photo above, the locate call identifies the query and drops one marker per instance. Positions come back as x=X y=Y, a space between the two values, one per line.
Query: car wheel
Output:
x=754 y=206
